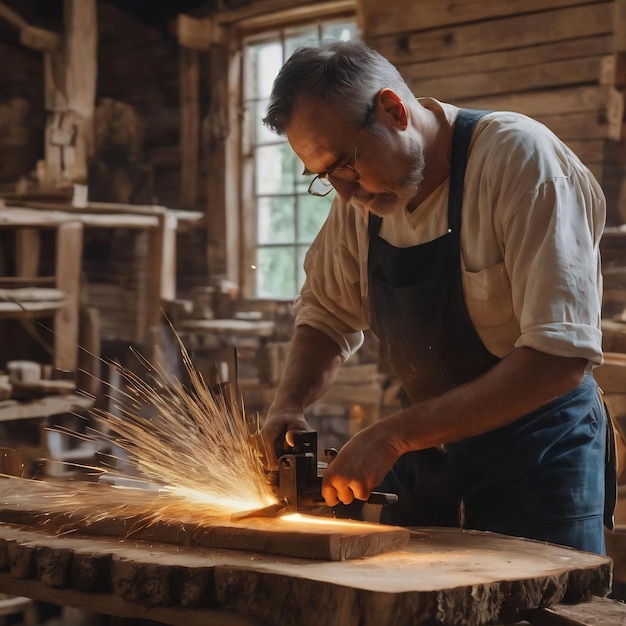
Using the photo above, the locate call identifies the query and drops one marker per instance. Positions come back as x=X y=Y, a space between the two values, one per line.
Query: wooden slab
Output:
x=443 y=576
x=32 y=504
x=310 y=538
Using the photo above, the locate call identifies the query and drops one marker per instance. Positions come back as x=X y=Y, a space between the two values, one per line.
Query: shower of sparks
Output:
x=190 y=455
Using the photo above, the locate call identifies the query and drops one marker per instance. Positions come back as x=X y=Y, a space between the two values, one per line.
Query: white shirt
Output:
x=532 y=218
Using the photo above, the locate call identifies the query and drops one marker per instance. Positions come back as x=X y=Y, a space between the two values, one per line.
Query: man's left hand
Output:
x=360 y=466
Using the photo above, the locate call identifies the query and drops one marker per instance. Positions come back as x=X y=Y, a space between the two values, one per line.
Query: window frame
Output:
x=240 y=198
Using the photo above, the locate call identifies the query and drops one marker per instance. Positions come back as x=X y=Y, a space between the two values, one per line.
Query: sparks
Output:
x=191 y=460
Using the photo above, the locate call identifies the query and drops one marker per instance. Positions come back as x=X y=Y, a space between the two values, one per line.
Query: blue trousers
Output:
x=541 y=477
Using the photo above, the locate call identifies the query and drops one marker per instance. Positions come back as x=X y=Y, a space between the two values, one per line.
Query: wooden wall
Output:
x=137 y=126
x=22 y=114
x=559 y=61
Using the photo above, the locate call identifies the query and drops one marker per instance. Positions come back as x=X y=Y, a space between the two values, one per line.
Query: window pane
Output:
x=302 y=181
x=312 y=212
x=264 y=134
x=275 y=166
x=343 y=31
x=287 y=217
x=296 y=38
x=276 y=272
x=300 y=274
x=262 y=64
x=276 y=219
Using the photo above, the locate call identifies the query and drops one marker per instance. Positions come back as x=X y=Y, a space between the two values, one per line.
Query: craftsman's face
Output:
x=389 y=161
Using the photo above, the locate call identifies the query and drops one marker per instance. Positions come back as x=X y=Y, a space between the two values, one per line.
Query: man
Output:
x=468 y=242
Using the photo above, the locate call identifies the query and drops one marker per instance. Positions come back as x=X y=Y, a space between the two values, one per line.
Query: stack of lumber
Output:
x=559 y=61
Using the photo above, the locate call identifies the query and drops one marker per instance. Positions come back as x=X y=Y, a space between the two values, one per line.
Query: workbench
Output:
x=487 y=577
x=158 y=223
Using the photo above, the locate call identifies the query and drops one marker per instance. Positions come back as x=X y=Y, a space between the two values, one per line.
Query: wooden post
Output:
x=194 y=36
x=69 y=250
x=81 y=37
x=619 y=21
x=28 y=245
x=219 y=140
x=189 y=125
x=70 y=93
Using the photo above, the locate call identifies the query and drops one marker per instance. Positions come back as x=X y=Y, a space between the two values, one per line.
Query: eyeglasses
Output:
x=322 y=184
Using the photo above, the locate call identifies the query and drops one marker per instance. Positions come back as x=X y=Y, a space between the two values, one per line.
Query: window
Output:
x=280 y=218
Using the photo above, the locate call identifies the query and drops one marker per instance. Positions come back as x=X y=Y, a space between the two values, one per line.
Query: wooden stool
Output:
x=10 y=605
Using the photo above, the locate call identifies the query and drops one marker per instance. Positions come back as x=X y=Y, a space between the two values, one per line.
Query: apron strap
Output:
x=463 y=129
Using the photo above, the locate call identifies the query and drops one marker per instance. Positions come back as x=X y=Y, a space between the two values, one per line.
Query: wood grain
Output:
x=308 y=538
x=443 y=576
x=517 y=31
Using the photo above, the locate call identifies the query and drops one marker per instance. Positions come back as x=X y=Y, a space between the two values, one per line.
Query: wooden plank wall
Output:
x=559 y=61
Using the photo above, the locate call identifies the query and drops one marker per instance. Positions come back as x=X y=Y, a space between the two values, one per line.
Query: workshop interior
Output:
x=152 y=238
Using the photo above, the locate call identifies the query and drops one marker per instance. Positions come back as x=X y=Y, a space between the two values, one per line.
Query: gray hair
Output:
x=346 y=74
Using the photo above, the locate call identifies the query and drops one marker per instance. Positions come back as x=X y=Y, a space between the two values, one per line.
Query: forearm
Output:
x=522 y=382
x=310 y=369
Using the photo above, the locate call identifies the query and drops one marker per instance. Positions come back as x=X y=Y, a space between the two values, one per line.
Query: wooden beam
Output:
x=27 y=252
x=222 y=164
x=197 y=33
x=13 y=17
x=407 y=17
x=54 y=82
x=30 y=36
x=570 y=126
x=588 y=150
x=245 y=14
x=546 y=102
x=41 y=39
x=89 y=374
x=614 y=70
x=81 y=47
x=531 y=56
x=615 y=113
x=189 y=126
x=548 y=75
x=69 y=250
x=620 y=25
x=497 y=34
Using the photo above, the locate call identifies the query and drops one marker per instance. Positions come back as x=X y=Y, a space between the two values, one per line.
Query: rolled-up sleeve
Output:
x=331 y=300
x=552 y=248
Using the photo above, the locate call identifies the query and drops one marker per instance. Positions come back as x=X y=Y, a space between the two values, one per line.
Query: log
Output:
x=443 y=576
x=576 y=125
x=549 y=75
x=379 y=20
x=600 y=45
x=497 y=34
x=593 y=99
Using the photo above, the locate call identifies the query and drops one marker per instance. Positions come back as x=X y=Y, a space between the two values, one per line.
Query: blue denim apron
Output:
x=541 y=477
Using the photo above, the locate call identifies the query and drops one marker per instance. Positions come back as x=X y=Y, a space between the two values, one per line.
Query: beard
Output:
x=386 y=202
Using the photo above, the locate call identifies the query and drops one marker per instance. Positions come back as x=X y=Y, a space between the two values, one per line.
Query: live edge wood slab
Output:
x=442 y=576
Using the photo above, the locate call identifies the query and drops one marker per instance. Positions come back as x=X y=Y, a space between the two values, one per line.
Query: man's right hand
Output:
x=277 y=433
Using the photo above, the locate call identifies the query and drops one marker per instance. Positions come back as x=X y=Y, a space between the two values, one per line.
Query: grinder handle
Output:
x=382 y=498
